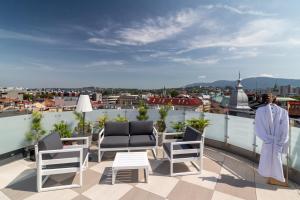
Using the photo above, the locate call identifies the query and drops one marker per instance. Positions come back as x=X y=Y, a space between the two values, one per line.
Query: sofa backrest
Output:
x=50 y=142
x=116 y=129
x=191 y=134
x=141 y=128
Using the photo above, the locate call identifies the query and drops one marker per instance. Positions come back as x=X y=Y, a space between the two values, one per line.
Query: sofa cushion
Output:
x=50 y=142
x=191 y=134
x=141 y=128
x=142 y=140
x=114 y=142
x=167 y=148
x=116 y=129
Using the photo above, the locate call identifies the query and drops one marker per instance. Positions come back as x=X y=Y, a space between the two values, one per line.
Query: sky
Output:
x=146 y=43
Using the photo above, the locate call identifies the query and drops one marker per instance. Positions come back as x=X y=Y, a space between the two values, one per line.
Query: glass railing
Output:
x=237 y=131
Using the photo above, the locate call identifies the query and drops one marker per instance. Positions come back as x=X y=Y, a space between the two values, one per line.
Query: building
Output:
x=12 y=94
x=238 y=102
x=110 y=101
x=178 y=103
x=128 y=101
x=96 y=96
x=66 y=103
x=286 y=90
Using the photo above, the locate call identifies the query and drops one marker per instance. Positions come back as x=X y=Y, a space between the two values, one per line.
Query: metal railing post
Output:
x=202 y=115
x=226 y=136
x=125 y=113
x=254 y=140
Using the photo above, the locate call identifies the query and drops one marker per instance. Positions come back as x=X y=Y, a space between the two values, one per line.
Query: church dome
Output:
x=238 y=98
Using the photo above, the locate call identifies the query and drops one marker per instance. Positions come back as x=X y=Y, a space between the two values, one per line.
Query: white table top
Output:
x=128 y=160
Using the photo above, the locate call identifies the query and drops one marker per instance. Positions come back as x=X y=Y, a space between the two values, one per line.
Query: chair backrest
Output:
x=191 y=134
x=50 y=142
x=141 y=128
x=116 y=129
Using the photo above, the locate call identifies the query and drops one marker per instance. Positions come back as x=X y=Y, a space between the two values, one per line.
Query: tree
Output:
x=174 y=93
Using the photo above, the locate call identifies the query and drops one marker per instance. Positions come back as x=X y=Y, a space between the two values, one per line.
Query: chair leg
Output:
x=80 y=177
x=39 y=181
x=99 y=156
x=154 y=153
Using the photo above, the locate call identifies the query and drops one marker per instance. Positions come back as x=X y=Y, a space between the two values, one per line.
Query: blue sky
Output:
x=146 y=44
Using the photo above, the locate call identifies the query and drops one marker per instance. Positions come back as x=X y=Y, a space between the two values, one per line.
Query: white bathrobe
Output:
x=272 y=127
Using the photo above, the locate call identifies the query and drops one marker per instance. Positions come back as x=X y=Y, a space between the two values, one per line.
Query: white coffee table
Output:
x=130 y=160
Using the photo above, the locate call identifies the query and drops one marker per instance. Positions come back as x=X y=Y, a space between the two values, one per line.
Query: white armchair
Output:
x=188 y=149
x=54 y=158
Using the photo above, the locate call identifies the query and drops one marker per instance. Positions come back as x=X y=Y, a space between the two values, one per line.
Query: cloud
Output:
x=240 y=11
x=256 y=33
x=40 y=66
x=5 y=34
x=192 y=61
x=201 y=77
x=266 y=75
x=105 y=63
x=151 y=30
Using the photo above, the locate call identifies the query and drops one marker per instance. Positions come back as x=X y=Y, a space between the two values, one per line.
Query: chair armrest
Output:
x=85 y=144
x=60 y=151
x=101 y=136
x=176 y=133
x=170 y=134
x=186 y=142
x=61 y=160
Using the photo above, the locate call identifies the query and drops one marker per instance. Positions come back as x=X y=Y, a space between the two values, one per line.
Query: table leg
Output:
x=113 y=178
x=146 y=174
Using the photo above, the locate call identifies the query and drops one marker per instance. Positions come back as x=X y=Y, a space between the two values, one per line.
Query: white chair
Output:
x=189 y=149
x=54 y=158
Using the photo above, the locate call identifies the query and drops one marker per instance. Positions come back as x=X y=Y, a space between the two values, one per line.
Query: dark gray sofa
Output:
x=135 y=135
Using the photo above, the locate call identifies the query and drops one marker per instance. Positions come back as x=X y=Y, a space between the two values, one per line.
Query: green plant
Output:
x=198 y=124
x=178 y=126
x=80 y=124
x=143 y=109
x=36 y=131
x=163 y=113
x=102 y=120
x=63 y=129
x=119 y=118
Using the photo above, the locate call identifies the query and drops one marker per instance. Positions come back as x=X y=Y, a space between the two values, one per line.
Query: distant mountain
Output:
x=251 y=83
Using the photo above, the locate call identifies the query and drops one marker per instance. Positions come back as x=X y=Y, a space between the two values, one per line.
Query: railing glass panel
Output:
x=216 y=129
x=12 y=132
x=240 y=132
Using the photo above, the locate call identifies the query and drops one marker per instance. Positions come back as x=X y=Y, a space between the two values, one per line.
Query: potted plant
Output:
x=161 y=123
x=199 y=124
x=64 y=130
x=178 y=127
x=143 y=109
x=35 y=133
x=119 y=118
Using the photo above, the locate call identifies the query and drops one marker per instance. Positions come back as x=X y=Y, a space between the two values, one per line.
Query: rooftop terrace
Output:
x=225 y=176
x=230 y=164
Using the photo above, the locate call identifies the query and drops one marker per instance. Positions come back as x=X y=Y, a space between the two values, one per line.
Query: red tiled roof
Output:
x=174 y=101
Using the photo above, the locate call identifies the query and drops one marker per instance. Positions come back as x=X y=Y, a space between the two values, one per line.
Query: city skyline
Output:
x=145 y=44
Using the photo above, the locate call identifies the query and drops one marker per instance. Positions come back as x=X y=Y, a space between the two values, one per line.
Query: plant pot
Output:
x=160 y=139
x=31 y=152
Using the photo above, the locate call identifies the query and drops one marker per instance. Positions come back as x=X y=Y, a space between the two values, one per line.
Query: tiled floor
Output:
x=225 y=177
